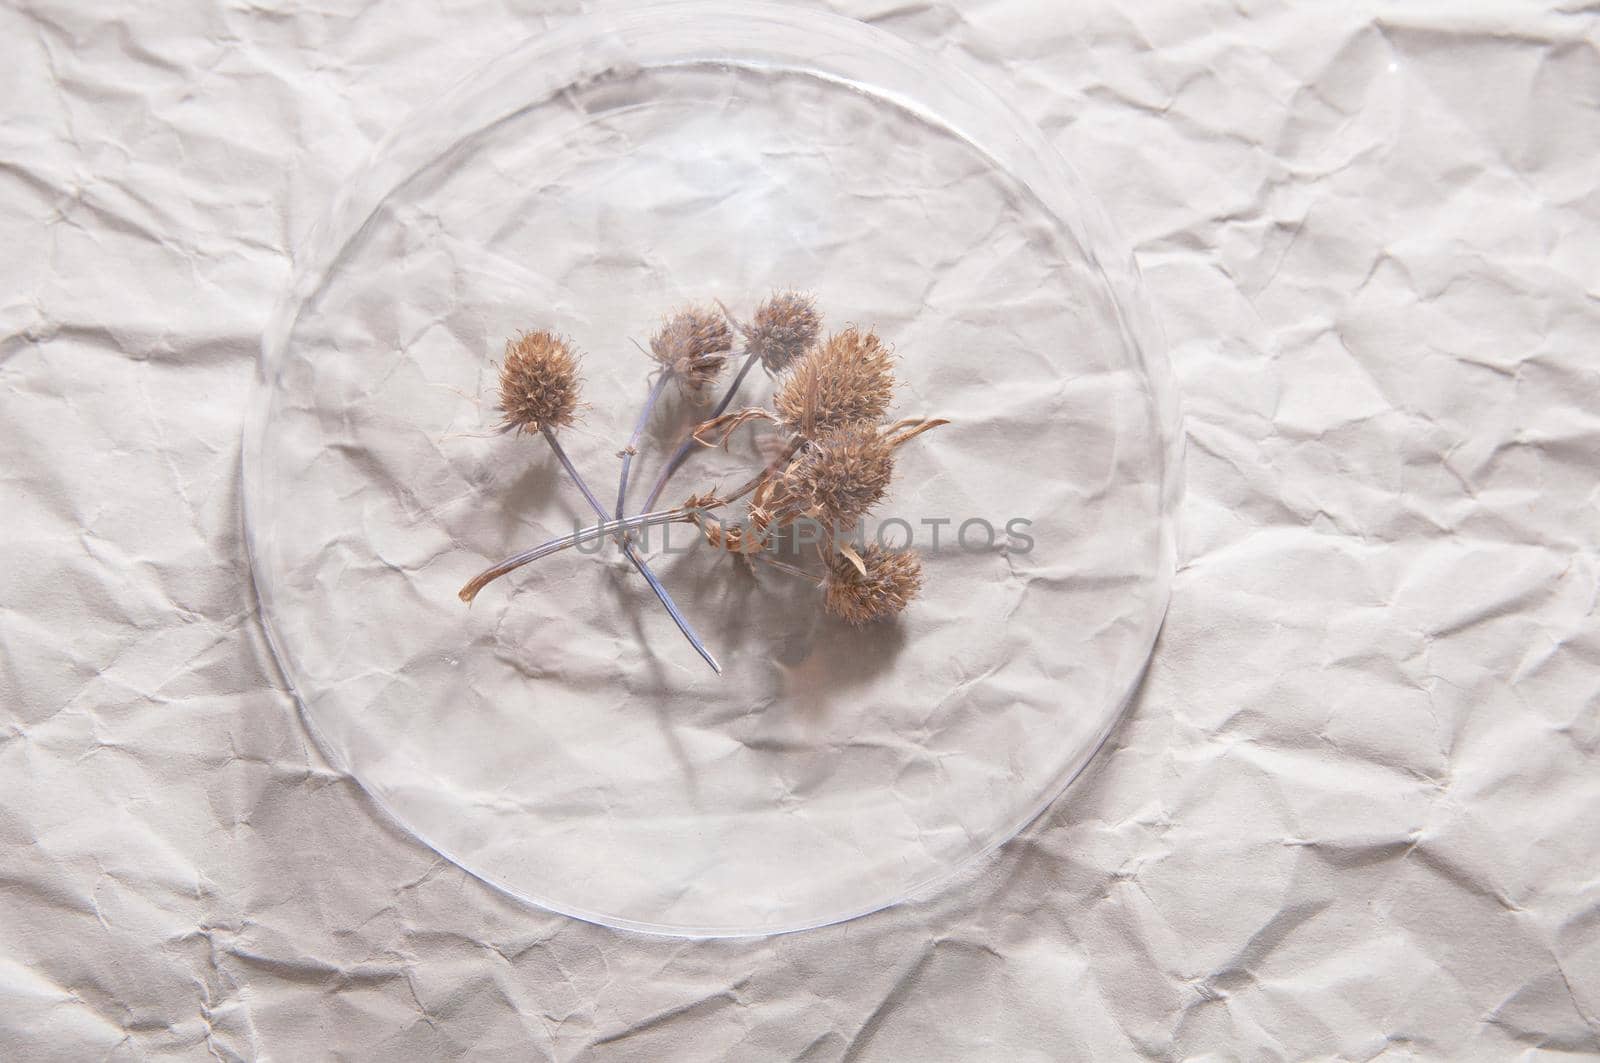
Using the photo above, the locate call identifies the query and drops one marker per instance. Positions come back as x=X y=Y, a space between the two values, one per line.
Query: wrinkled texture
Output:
x=1351 y=814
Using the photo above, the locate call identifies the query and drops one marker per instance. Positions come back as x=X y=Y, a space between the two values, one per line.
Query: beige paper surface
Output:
x=1352 y=813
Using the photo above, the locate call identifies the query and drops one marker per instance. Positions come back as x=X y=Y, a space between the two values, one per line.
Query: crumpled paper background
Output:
x=1352 y=813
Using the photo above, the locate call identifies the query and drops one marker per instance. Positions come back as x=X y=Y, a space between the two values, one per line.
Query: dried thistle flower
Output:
x=892 y=578
x=538 y=382
x=693 y=345
x=832 y=462
x=847 y=380
x=838 y=476
x=784 y=328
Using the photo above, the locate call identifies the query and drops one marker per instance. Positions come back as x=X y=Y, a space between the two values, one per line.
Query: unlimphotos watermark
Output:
x=969 y=535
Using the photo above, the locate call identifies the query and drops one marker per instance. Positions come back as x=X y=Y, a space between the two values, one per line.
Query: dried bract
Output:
x=784 y=328
x=538 y=382
x=693 y=345
x=847 y=380
x=892 y=579
x=839 y=476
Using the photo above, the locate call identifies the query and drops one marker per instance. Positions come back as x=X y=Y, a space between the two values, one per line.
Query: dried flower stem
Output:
x=633 y=556
x=773 y=466
x=633 y=441
x=582 y=535
x=627 y=548
x=682 y=453
x=686 y=514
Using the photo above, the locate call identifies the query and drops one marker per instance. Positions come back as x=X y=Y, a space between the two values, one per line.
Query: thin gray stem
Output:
x=577 y=538
x=680 y=515
x=633 y=440
x=682 y=453
x=633 y=556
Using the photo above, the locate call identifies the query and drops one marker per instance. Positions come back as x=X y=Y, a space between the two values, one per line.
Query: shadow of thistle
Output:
x=535 y=489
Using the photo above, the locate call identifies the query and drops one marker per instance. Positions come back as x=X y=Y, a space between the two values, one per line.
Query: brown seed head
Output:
x=847 y=380
x=838 y=476
x=784 y=327
x=892 y=579
x=693 y=345
x=538 y=382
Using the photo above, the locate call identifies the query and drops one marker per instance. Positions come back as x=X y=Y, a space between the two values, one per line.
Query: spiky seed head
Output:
x=847 y=380
x=839 y=476
x=538 y=382
x=693 y=345
x=892 y=579
x=784 y=328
